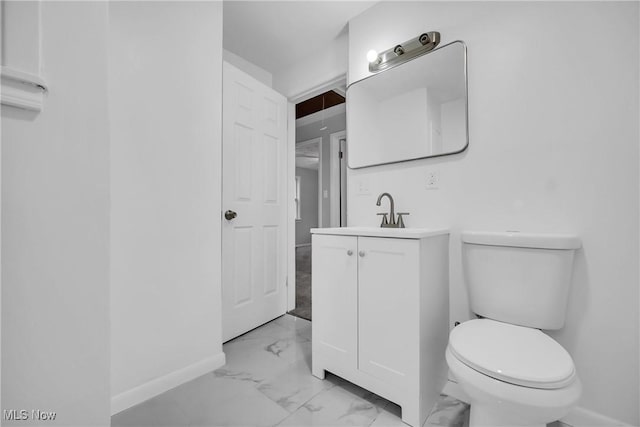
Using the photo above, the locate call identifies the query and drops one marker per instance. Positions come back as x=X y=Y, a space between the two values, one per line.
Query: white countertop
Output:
x=398 y=233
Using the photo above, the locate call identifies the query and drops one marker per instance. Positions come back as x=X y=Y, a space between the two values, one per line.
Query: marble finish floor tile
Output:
x=161 y=411
x=301 y=327
x=267 y=381
x=338 y=406
x=266 y=352
x=389 y=417
x=448 y=412
x=244 y=406
x=294 y=387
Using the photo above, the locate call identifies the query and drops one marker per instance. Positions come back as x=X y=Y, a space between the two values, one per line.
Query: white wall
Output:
x=55 y=228
x=330 y=64
x=250 y=68
x=553 y=147
x=165 y=69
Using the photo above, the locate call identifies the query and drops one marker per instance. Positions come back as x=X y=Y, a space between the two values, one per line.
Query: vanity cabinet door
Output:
x=388 y=308
x=334 y=296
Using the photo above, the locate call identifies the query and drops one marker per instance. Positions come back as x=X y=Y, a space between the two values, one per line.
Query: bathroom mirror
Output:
x=414 y=110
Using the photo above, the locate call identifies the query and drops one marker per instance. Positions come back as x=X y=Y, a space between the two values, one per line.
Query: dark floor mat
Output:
x=303 y=283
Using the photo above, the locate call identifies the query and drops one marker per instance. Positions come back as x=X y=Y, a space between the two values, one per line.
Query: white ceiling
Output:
x=311 y=150
x=307 y=163
x=277 y=34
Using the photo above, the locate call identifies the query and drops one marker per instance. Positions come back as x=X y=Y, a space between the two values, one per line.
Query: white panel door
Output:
x=254 y=137
x=335 y=298
x=388 y=307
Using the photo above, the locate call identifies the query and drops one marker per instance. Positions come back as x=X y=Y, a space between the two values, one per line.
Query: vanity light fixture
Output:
x=372 y=56
x=403 y=52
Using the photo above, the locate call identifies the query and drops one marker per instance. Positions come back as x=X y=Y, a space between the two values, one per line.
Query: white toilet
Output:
x=513 y=373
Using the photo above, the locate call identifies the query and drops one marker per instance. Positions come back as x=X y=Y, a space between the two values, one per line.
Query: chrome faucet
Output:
x=391 y=221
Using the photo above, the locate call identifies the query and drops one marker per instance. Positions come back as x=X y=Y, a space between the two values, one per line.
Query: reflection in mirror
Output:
x=415 y=110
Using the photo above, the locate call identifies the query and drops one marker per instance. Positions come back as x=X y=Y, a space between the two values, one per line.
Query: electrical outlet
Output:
x=363 y=186
x=433 y=180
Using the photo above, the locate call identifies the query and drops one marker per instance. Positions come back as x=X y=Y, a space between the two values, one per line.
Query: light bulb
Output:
x=372 y=56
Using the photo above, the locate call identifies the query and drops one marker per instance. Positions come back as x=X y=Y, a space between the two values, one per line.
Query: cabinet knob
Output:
x=349 y=252
x=361 y=253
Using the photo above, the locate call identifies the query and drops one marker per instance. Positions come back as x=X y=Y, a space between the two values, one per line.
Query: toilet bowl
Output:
x=513 y=375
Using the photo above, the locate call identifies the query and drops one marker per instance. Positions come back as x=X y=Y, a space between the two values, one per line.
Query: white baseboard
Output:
x=578 y=417
x=146 y=391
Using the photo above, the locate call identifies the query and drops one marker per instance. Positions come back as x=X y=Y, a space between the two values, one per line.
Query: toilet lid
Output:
x=513 y=354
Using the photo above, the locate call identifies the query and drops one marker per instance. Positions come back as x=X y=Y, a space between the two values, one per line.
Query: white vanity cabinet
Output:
x=381 y=312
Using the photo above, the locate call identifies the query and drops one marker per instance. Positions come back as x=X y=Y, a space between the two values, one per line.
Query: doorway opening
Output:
x=320 y=157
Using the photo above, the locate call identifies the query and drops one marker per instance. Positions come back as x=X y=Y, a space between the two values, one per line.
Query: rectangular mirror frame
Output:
x=466 y=94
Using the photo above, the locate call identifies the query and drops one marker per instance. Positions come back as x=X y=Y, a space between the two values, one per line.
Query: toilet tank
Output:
x=519 y=278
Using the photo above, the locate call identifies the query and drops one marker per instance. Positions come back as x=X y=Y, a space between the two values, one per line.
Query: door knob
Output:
x=361 y=253
x=349 y=252
x=229 y=215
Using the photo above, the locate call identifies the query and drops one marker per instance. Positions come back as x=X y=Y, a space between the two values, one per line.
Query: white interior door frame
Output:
x=318 y=141
x=334 y=177
x=330 y=84
x=313 y=90
x=291 y=203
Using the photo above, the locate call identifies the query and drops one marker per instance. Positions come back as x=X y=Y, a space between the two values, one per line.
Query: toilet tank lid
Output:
x=519 y=239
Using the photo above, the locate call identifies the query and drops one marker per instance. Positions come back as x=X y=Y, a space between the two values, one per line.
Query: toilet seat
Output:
x=513 y=354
